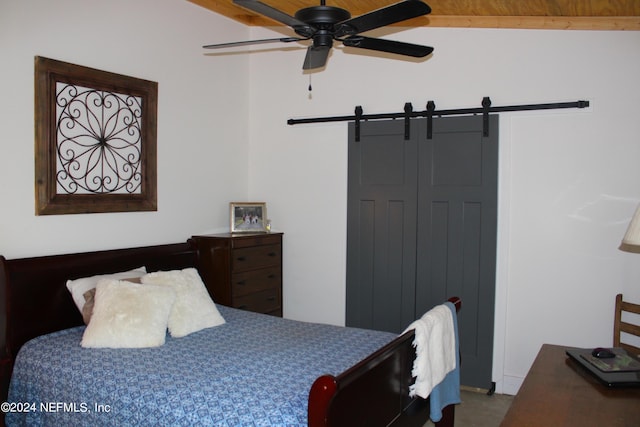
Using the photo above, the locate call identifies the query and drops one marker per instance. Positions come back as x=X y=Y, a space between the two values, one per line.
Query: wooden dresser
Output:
x=243 y=270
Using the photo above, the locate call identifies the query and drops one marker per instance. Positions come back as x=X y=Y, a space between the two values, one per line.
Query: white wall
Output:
x=568 y=178
x=202 y=123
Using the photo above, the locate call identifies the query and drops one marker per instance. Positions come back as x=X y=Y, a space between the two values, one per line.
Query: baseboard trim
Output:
x=511 y=384
x=474 y=389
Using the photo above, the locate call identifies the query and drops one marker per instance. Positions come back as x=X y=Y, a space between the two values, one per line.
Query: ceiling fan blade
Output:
x=316 y=57
x=379 y=18
x=276 y=15
x=390 y=46
x=249 y=42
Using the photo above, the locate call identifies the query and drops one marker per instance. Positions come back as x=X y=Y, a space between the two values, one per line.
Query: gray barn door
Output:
x=457 y=205
x=422 y=218
x=382 y=215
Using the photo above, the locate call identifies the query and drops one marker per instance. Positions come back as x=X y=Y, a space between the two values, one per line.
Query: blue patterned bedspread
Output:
x=255 y=370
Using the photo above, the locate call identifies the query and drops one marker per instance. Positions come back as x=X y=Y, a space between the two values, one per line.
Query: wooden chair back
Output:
x=623 y=323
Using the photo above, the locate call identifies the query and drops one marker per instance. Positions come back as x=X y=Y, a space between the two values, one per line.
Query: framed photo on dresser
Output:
x=248 y=217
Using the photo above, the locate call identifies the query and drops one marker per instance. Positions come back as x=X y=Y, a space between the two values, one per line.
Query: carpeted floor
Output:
x=480 y=410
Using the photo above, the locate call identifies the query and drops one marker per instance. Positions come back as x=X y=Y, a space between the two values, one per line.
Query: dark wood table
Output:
x=557 y=392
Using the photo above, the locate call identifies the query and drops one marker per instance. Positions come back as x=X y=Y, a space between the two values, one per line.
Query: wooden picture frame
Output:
x=95 y=140
x=248 y=217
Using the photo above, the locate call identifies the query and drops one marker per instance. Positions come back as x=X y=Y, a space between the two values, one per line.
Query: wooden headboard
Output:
x=34 y=299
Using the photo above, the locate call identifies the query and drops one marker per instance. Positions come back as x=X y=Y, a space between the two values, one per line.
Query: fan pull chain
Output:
x=310 y=88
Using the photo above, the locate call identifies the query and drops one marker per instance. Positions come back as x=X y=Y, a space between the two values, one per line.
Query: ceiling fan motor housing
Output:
x=317 y=15
x=323 y=18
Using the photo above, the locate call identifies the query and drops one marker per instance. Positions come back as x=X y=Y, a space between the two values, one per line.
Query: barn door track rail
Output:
x=431 y=111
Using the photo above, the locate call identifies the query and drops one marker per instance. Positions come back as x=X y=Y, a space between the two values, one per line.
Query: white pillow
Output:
x=128 y=315
x=78 y=287
x=193 y=310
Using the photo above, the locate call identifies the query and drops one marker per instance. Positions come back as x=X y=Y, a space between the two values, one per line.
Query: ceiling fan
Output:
x=323 y=24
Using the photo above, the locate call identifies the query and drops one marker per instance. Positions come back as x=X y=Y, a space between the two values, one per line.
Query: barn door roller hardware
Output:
x=431 y=111
x=408 y=109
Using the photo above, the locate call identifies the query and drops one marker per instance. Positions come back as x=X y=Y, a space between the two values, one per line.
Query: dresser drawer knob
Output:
x=272 y=254
x=241 y=282
x=271 y=276
x=241 y=258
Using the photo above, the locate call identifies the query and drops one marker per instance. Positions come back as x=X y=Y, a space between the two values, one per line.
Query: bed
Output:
x=284 y=373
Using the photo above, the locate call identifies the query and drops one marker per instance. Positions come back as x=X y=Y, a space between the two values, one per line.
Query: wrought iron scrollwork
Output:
x=99 y=141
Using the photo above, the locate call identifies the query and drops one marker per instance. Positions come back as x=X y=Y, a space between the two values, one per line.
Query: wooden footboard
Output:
x=375 y=392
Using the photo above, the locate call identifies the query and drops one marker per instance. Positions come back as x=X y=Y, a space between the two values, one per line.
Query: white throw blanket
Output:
x=435 y=344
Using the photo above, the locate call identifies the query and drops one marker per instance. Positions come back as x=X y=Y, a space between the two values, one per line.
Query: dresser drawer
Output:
x=257 y=240
x=266 y=301
x=248 y=282
x=256 y=257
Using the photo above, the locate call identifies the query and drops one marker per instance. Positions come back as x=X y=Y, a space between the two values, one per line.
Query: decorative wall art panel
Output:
x=95 y=140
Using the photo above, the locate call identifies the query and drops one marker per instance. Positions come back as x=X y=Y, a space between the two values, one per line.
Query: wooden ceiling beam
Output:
x=530 y=14
x=618 y=23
